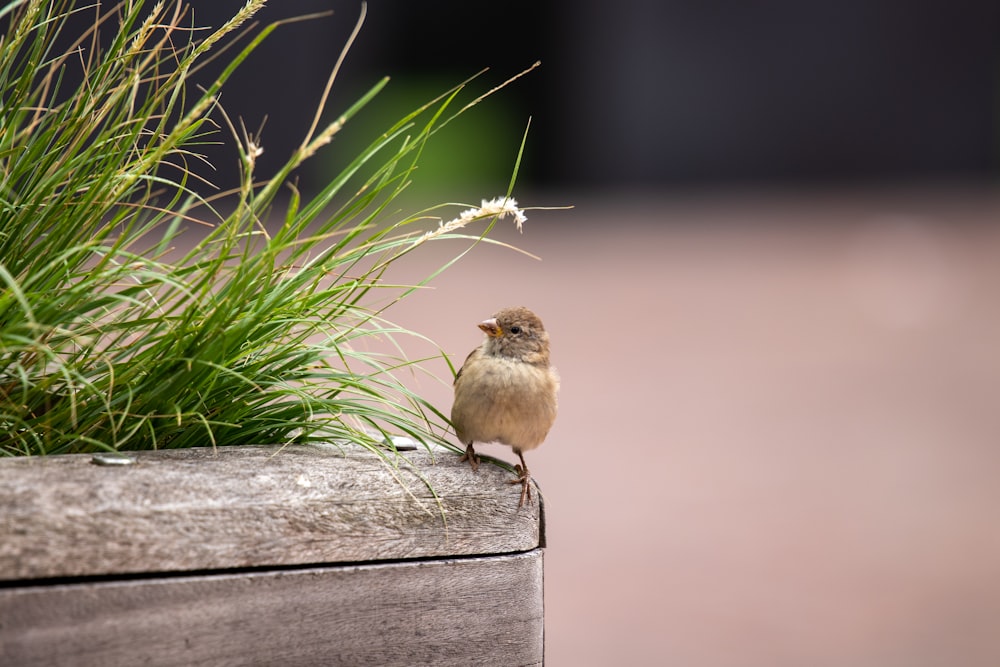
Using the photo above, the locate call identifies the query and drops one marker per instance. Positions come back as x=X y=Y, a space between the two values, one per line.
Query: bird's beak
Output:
x=491 y=328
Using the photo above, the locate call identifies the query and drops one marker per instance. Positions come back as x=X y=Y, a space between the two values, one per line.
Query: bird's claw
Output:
x=471 y=457
x=524 y=479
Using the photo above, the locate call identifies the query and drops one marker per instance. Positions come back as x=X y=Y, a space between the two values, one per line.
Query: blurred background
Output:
x=645 y=93
x=774 y=306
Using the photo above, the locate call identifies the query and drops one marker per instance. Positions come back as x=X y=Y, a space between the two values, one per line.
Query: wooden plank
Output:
x=204 y=509
x=473 y=611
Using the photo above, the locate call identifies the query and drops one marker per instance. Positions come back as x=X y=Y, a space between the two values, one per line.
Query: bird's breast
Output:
x=503 y=400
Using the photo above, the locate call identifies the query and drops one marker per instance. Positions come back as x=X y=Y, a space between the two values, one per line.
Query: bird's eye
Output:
x=515 y=329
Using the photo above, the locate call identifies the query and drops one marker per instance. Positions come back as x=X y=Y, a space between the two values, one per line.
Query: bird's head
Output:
x=516 y=333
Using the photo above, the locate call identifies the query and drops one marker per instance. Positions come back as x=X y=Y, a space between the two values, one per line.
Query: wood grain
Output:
x=471 y=611
x=205 y=509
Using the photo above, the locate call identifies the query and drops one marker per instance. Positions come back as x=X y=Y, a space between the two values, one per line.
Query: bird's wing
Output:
x=465 y=363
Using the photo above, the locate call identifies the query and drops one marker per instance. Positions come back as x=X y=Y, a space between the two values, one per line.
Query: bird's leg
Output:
x=523 y=478
x=470 y=456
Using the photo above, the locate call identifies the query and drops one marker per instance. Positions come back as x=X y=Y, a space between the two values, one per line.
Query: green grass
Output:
x=111 y=337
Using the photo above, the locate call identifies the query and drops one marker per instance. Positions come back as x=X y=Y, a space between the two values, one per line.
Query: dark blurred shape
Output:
x=783 y=90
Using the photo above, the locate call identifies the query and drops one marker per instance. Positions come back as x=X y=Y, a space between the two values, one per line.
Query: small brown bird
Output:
x=506 y=390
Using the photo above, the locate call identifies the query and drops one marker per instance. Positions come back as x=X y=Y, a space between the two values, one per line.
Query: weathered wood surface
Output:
x=205 y=509
x=473 y=611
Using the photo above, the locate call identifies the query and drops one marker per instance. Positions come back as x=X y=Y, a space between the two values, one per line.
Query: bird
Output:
x=506 y=390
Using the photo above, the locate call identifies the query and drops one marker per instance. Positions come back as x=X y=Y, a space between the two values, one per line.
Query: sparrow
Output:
x=506 y=390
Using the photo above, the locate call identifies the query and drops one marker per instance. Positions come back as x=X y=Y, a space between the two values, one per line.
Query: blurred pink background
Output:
x=778 y=436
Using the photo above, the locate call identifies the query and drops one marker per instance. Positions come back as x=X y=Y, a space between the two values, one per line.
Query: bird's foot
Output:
x=471 y=457
x=524 y=479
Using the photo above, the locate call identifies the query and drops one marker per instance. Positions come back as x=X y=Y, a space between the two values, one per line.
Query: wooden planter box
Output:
x=252 y=555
